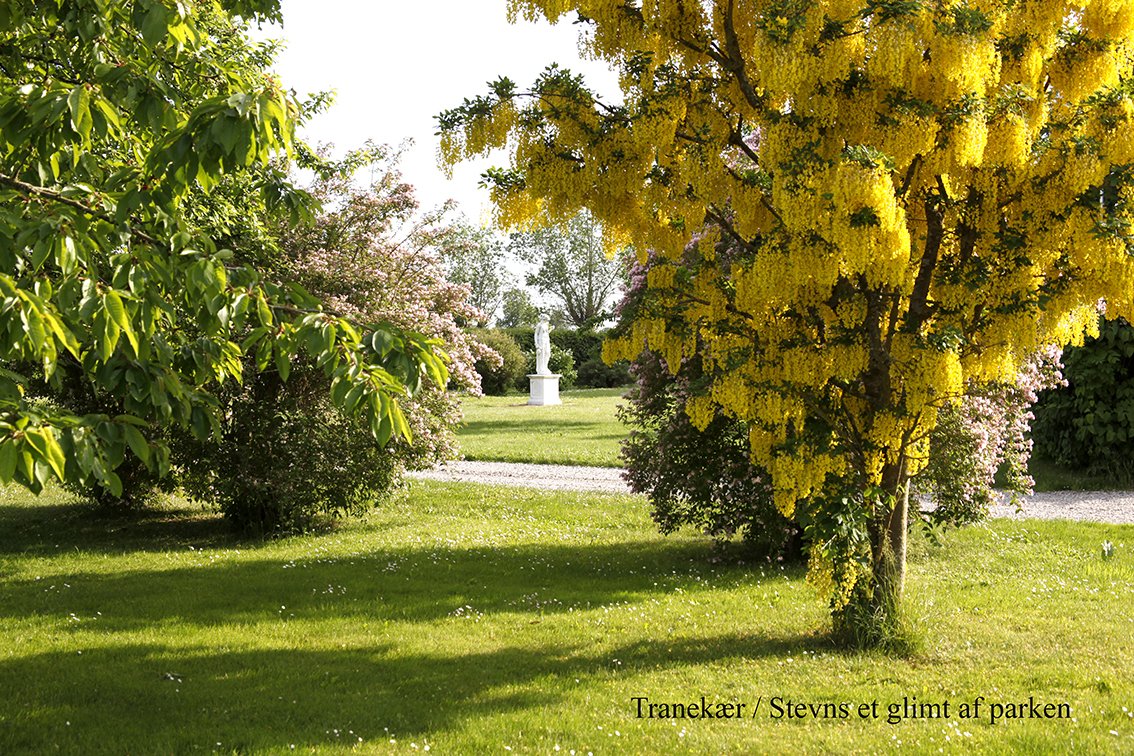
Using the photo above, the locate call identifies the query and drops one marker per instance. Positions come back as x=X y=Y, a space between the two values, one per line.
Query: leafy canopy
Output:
x=571 y=267
x=118 y=123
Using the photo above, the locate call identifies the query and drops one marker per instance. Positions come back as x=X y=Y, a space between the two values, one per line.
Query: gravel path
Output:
x=553 y=477
x=1094 y=506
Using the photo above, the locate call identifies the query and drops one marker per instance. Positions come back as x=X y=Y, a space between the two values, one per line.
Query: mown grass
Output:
x=584 y=430
x=477 y=619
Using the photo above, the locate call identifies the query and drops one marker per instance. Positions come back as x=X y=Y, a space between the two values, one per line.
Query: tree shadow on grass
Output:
x=46 y=529
x=415 y=584
x=158 y=698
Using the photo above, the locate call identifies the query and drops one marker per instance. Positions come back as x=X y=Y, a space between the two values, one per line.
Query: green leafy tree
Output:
x=474 y=257
x=1088 y=423
x=519 y=310
x=572 y=268
x=118 y=120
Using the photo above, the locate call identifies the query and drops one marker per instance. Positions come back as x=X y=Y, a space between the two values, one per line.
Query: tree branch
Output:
x=50 y=194
x=735 y=60
x=716 y=216
x=914 y=165
x=934 y=235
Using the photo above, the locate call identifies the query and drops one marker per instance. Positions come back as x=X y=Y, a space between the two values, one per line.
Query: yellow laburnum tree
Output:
x=853 y=208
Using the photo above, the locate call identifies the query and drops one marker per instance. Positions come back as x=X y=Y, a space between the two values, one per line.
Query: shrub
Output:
x=594 y=373
x=287 y=458
x=560 y=362
x=582 y=344
x=1089 y=423
x=983 y=435
x=524 y=336
x=496 y=377
x=699 y=478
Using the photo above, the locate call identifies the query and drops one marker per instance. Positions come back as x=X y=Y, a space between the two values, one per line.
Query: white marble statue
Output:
x=543 y=345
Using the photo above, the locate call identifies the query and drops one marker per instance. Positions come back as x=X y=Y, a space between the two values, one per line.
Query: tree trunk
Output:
x=873 y=616
x=890 y=559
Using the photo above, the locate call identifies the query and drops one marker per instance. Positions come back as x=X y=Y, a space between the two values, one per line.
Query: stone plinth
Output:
x=543 y=389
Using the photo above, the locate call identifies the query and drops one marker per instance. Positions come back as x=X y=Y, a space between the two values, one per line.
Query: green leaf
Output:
x=264 y=311
x=137 y=442
x=385 y=429
x=116 y=310
x=353 y=397
x=108 y=339
x=33 y=325
x=401 y=427
x=27 y=466
x=55 y=456
x=339 y=391
x=47 y=449
x=253 y=338
x=9 y=455
x=63 y=335
x=283 y=364
x=79 y=102
x=264 y=354
x=155 y=25
x=66 y=256
x=200 y=422
x=381 y=342
x=113 y=483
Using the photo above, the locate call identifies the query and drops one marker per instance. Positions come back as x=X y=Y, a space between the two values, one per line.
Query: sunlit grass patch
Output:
x=584 y=430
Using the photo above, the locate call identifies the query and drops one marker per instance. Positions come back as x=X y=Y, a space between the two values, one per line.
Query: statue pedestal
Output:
x=543 y=389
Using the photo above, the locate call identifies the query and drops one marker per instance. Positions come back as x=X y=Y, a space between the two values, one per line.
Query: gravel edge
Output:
x=1115 y=507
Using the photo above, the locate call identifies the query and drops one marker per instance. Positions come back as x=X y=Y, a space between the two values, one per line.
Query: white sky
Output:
x=395 y=65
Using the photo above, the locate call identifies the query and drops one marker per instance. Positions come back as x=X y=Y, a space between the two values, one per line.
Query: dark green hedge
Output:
x=1089 y=423
x=586 y=350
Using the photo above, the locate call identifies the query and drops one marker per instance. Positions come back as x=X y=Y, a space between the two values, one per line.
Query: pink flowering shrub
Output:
x=285 y=457
x=373 y=258
x=986 y=432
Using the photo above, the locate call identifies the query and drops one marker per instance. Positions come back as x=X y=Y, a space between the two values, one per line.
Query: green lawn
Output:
x=477 y=619
x=584 y=430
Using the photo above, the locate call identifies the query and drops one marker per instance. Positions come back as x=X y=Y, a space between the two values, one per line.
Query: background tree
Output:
x=474 y=257
x=925 y=194
x=572 y=268
x=518 y=309
x=115 y=117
